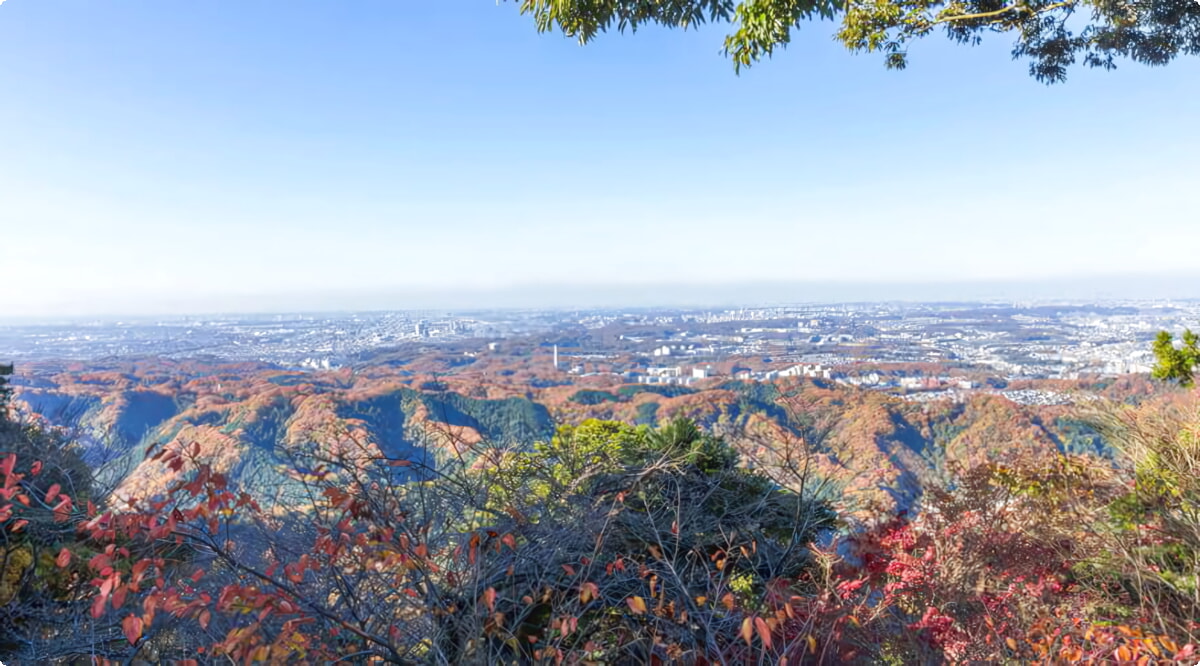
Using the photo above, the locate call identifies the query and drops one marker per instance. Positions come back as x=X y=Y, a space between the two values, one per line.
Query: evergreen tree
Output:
x=1176 y=363
x=5 y=390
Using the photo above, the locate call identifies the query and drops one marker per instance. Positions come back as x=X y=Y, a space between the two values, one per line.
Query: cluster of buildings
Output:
x=1007 y=340
x=680 y=375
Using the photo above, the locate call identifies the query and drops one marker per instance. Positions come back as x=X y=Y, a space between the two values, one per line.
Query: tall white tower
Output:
x=556 y=357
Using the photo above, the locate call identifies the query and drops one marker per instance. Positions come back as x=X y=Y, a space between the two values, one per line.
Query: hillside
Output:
x=876 y=449
x=264 y=515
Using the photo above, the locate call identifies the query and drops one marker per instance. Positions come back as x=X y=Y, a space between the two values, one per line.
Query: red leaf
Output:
x=52 y=492
x=140 y=567
x=132 y=626
x=63 y=559
x=62 y=510
x=110 y=581
x=764 y=632
x=35 y=468
x=489 y=599
x=118 y=597
x=148 y=616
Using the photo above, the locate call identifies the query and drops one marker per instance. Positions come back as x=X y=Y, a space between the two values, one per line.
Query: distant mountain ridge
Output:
x=251 y=418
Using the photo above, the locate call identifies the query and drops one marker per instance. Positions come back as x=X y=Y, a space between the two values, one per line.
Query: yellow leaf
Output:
x=1070 y=654
x=637 y=605
x=748 y=630
x=587 y=592
x=1148 y=642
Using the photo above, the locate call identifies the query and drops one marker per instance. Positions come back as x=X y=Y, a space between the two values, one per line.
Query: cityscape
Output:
x=670 y=346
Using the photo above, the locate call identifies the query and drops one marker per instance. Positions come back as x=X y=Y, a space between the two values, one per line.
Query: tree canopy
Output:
x=1052 y=35
x=1176 y=363
x=5 y=390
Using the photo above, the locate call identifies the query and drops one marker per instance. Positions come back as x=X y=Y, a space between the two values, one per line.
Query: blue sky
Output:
x=169 y=155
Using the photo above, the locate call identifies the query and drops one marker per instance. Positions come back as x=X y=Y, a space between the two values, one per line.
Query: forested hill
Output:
x=246 y=512
x=874 y=447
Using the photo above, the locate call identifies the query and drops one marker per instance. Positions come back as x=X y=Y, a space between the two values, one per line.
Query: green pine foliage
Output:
x=1176 y=363
x=5 y=390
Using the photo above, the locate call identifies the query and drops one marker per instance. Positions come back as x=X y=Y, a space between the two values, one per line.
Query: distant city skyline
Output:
x=1090 y=289
x=219 y=156
x=657 y=345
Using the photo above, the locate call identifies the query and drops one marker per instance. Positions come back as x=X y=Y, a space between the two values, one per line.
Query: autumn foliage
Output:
x=606 y=544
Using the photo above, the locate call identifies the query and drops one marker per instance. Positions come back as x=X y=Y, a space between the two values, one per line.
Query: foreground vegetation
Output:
x=1052 y=35
x=607 y=543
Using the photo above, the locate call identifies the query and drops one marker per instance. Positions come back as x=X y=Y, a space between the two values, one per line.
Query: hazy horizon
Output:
x=1093 y=289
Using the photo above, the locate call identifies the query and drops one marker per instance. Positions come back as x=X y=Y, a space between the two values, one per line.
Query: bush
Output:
x=1153 y=559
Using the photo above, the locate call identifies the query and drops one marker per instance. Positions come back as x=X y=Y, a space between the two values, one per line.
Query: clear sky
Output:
x=166 y=155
